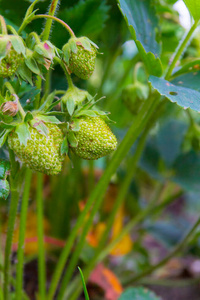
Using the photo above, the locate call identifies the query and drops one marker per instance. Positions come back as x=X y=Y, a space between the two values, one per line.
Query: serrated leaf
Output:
x=184 y=97
x=143 y=23
x=72 y=139
x=4 y=168
x=23 y=133
x=194 y=8
x=64 y=147
x=32 y=65
x=70 y=106
x=4 y=189
x=138 y=293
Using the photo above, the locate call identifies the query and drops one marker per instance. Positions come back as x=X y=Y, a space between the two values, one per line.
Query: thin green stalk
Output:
x=10 y=230
x=40 y=232
x=174 y=252
x=91 y=176
x=96 y=196
x=180 y=49
x=67 y=27
x=22 y=229
x=52 y=10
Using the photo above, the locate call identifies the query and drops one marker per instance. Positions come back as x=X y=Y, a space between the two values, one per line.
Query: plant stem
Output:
x=22 y=230
x=96 y=196
x=3 y=26
x=12 y=30
x=180 y=49
x=67 y=27
x=68 y=77
x=40 y=230
x=150 y=209
x=174 y=252
x=11 y=223
x=48 y=24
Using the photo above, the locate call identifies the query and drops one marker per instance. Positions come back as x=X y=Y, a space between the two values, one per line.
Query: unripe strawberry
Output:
x=12 y=52
x=76 y=94
x=79 y=56
x=41 y=153
x=133 y=96
x=95 y=139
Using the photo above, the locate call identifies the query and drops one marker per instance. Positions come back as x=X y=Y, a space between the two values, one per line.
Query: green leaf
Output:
x=184 y=97
x=64 y=147
x=194 y=8
x=28 y=117
x=142 y=22
x=96 y=12
x=23 y=133
x=84 y=285
x=4 y=189
x=18 y=45
x=89 y=113
x=32 y=65
x=192 y=66
x=50 y=119
x=4 y=137
x=4 y=168
x=190 y=80
x=138 y=293
x=72 y=139
x=70 y=106
x=75 y=125
x=25 y=73
x=47 y=102
x=170 y=138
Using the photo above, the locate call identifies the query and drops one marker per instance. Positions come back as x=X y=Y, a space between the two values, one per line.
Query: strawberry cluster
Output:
x=37 y=137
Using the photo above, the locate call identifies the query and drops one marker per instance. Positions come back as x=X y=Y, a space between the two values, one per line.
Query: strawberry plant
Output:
x=57 y=89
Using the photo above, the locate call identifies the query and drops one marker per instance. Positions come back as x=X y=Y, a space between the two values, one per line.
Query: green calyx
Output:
x=79 y=54
x=134 y=95
x=94 y=139
x=44 y=52
x=74 y=96
x=12 y=52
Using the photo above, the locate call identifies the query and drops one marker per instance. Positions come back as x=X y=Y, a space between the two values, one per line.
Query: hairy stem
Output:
x=67 y=27
x=49 y=21
x=22 y=230
x=3 y=25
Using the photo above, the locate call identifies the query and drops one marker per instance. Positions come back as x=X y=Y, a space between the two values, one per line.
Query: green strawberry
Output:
x=79 y=55
x=95 y=139
x=41 y=153
x=12 y=53
x=134 y=95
